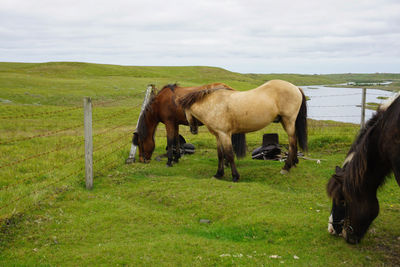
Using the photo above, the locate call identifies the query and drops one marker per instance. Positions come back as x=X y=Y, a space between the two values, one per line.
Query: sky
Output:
x=246 y=36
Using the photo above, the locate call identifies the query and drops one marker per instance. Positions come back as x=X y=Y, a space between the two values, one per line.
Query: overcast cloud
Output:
x=313 y=36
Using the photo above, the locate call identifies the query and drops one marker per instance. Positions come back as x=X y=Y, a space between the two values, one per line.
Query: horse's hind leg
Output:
x=220 y=150
x=226 y=142
x=292 y=160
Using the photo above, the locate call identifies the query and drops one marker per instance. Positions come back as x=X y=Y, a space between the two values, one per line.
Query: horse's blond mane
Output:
x=187 y=100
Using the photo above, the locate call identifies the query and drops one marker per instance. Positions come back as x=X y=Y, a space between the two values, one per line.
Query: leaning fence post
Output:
x=132 y=153
x=87 y=104
x=364 y=96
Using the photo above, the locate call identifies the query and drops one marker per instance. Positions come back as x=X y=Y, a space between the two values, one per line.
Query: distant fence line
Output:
x=114 y=143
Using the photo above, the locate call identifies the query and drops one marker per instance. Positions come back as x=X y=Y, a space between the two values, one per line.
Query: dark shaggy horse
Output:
x=372 y=157
x=162 y=107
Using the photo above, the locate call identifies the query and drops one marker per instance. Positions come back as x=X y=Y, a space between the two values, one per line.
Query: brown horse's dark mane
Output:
x=189 y=99
x=170 y=86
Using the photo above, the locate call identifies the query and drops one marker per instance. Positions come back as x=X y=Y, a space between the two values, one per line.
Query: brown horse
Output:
x=226 y=112
x=162 y=108
x=353 y=188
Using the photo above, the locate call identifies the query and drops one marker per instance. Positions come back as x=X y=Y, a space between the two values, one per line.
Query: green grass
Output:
x=151 y=215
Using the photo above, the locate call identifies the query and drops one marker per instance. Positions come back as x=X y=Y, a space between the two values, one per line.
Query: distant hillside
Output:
x=66 y=82
x=193 y=74
x=190 y=75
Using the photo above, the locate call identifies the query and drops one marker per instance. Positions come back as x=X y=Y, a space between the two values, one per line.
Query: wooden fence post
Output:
x=132 y=153
x=87 y=104
x=363 y=100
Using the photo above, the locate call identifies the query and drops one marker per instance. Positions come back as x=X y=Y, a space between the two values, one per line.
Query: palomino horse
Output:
x=226 y=112
x=162 y=108
x=372 y=157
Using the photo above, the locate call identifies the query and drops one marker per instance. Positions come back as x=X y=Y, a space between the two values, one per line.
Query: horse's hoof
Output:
x=169 y=165
x=219 y=177
x=235 y=178
x=284 y=172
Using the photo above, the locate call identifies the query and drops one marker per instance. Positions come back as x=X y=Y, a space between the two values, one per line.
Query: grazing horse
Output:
x=162 y=108
x=372 y=157
x=226 y=112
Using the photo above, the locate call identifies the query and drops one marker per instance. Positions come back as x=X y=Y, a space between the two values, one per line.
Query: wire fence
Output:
x=37 y=164
x=345 y=104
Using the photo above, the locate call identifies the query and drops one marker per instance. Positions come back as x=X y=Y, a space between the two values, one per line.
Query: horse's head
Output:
x=352 y=213
x=145 y=146
x=143 y=137
x=334 y=188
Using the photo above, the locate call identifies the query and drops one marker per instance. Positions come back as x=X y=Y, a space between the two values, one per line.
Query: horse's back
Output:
x=247 y=111
x=277 y=96
x=280 y=87
x=252 y=110
x=287 y=96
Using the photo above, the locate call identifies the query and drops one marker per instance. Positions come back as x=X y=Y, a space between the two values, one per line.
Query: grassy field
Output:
x=151 y=215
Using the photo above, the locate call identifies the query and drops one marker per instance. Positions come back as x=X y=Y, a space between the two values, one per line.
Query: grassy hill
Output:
x=151 y=215
x=60 y=83
x=72 y=80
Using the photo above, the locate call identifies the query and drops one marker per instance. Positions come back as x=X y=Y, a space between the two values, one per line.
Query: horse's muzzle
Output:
x=349 y=236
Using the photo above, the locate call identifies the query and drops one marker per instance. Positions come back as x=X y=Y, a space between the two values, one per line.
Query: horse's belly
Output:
x=251 y=123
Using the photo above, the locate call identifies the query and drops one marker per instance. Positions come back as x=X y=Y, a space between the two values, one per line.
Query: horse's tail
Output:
x=301 y=123
x=239 y=144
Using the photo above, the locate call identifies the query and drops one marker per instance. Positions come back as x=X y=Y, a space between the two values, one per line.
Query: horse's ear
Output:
x=135 y=139
x=334 y=186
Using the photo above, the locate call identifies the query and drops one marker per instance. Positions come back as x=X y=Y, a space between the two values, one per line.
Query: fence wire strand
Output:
x=104 y=103
x=40 y=154
x=30 y=178
x=31 y=115
x=7 y=142
x=41 y=189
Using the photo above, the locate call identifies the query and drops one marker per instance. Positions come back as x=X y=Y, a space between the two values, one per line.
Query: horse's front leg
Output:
x=177 y=145
x=170 y=143
x=229 y=155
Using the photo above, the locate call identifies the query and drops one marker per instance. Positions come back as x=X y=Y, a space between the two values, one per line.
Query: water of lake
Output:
x=340 y=104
